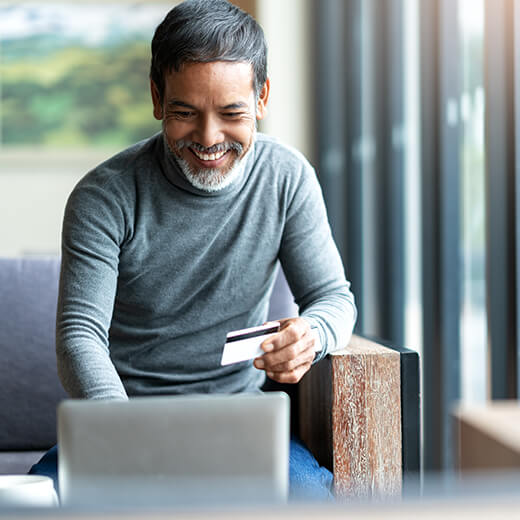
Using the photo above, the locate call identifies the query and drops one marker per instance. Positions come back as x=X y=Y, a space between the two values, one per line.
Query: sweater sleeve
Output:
x=313 y=266
x=93 y=230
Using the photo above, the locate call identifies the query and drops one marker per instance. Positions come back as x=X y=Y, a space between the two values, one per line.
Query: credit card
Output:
x=244 y=344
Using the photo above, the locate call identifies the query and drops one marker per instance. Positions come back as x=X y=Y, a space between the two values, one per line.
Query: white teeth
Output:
x=208 y=157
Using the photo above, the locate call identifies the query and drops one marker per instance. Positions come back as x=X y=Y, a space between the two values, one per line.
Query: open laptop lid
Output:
x=178 y=450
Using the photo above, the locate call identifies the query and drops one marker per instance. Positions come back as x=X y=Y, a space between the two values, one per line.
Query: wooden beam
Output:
x=354 y=399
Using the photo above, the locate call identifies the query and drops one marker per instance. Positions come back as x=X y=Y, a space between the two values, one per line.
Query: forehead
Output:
x=212 y=80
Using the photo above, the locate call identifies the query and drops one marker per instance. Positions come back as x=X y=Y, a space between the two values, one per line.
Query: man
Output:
x=175 y=241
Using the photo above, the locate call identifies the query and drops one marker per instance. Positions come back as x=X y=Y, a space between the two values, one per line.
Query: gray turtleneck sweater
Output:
x=155 y=272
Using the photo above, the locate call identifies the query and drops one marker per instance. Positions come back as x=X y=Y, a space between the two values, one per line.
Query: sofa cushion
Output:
x=18 y=462
x=282 y=303
x=30 y=385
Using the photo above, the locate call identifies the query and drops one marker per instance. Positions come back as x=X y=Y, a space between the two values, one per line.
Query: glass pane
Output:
x=76 y=75
x=473 y=324
x=413 y=259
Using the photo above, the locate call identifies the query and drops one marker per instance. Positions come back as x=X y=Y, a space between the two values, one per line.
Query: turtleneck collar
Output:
x=174 y=174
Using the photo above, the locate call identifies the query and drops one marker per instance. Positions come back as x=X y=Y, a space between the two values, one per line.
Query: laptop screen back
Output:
x=179 y=450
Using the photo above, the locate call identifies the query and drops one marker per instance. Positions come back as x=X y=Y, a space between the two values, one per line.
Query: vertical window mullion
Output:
x=329 y=114
x=392 y=174
x=516 y=68
x=338 y=119
x=441 y=226
x=450 y=215
x=500 y=198
x=381 y=166
x=355 y=153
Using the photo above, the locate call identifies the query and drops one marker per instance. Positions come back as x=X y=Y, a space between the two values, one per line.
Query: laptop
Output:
x=174 y=451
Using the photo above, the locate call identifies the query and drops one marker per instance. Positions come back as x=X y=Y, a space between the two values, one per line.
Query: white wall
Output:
x=285 y=24
x=34 y=187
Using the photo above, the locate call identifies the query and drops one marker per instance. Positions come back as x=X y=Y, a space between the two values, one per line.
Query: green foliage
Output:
x=76 y=96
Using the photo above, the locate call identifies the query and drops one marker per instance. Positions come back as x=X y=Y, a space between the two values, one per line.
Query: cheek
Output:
x=175 y=130
x=245 y=133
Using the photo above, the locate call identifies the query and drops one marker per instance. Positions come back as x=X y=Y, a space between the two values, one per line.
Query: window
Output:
x=409 y=116
x=473 y=318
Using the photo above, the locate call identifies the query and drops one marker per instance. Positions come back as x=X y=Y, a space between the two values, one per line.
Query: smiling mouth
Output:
x=208 y=156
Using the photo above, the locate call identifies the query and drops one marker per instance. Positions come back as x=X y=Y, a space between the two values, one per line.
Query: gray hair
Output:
x=205 y=31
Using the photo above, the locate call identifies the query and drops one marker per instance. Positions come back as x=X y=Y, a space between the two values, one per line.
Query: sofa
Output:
x=30 y=384
x=357 y=410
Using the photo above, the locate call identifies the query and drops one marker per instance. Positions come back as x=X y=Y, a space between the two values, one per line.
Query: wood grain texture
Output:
x=355 y=398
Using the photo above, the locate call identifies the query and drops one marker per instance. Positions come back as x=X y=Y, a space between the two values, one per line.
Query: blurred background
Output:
x=407 y=109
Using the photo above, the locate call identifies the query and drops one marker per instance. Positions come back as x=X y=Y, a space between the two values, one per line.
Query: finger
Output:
x=290 y=332
x=291 y=377
x=272 y=323
x=283 y=360
x=289 y=352
x=305 y=357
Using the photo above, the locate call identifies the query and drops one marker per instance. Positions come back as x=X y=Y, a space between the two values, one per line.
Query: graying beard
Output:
x=209 y=180
x=206 y=180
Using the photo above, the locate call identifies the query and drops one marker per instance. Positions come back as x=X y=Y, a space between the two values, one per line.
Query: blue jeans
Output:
x=307 y=479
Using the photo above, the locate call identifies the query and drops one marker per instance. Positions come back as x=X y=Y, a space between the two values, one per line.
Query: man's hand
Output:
x=289 y=353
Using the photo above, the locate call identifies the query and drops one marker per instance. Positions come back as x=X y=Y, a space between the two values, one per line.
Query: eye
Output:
x=233 y=115
x=181 y=114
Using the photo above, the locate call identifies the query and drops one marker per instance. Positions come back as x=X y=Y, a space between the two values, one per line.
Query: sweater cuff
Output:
x=320 y=337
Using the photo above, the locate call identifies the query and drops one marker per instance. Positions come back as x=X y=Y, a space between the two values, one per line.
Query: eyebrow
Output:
x=183 y=104
x=234 y=106
x=179 y=103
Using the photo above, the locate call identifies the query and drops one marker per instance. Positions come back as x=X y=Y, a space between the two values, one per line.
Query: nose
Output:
x=209 y=131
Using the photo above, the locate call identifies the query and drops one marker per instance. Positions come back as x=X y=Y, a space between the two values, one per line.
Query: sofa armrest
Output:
x=351 y=418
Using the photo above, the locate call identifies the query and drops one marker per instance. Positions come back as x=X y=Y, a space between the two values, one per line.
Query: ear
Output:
x=261 y=105
x=157 y=101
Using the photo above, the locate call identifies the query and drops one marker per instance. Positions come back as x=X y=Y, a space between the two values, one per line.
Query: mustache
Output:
x=220 y=147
